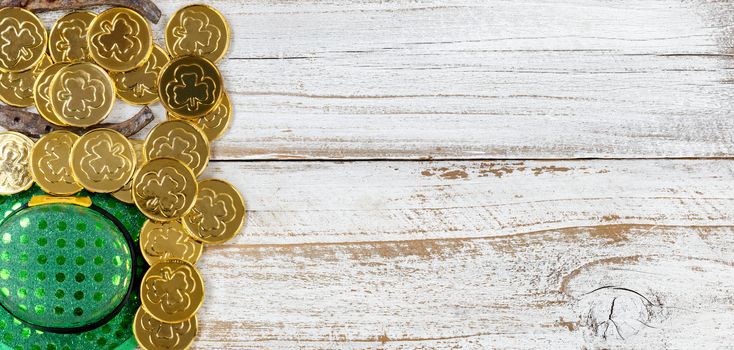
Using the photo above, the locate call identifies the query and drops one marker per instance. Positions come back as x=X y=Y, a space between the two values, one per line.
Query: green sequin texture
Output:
x=62 y=255
x=65 y=225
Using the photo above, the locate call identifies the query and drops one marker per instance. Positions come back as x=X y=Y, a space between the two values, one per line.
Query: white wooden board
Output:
x=474 y=79
x=439 y=255
x=465 y=252
x=478 y=79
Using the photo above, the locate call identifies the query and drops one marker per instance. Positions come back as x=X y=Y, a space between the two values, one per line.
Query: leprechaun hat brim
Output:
x=69 y=273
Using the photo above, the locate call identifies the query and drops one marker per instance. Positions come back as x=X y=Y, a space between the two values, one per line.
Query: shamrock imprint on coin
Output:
x=164 y=189
x=168 y=240
x=140 y=85
x=18 y=39
x=14 y=159
x=181 y=140
x=41 y=92
x=125 y=194
x=218 y=214
x=136 y=81
x=195 y=34
x=50 y=165
x=118 y=38
x=216 y=122
x=20 y=42
x=80 y=95
x=53 y=164
x=69 y=37
x=221 y=212
x=172 y=290
x=15 y=152
x=191 y=88
x=72 y=41
x=178 y=143
x=16 y=88
x=198 y=30
x=154 y=334
x=103 y=160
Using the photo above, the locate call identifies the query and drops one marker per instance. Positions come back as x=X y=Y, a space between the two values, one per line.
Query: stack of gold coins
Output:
x=73 y=76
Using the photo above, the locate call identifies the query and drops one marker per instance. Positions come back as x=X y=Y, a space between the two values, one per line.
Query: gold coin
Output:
x=15 y=152
x=198 y=30
x=164 y=189
x=190 y=86
x=16 y=88
x=81 y=94
x=22 y=39
x=168 y=240
x=120 y=39
x=50 y=165
x=67 y=41
x=102 y=160
x=140 y=85
x=152 y=334
x=41 y=93
x=216 y=122
x=179 y=140
x=219 y=212
x=125 y=194
x=172 y=291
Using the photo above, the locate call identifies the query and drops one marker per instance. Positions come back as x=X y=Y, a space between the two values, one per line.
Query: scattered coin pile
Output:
x=73 y=76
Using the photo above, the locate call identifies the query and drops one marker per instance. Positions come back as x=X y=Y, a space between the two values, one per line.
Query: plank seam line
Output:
x=469 y=159
x=450 y=239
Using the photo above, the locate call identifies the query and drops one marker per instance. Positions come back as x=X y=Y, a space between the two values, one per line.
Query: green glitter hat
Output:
x=69 y=272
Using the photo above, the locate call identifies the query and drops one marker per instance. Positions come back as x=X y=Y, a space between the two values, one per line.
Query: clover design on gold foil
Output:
x=54 y=163
x=172 y=289
x=135 y=80
x=45 y=93
x=212 y=212
x=157 y=245
x=80 y=95
x=18 y=39
x=190 y=88
x=104 y=159
x=13 y=164
x=195 y=34
x=73 y=40
x=165 y=335
x=118 y=38
x=19 y=84
x=214 y=120
x=179 y=144
x=162 y=191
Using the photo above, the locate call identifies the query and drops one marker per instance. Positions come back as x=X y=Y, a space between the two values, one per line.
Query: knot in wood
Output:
x=617 y=314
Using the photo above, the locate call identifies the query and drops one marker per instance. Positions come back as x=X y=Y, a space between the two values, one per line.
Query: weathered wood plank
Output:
x=645 y=287
x=474 y=80
x=410 y=255
x=328 y=202
x=491 y=79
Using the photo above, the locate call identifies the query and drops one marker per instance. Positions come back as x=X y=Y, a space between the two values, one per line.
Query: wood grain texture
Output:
x=465 y=253
x=440 y=255
x=478 y=79
x=326 y=202
x=474 y=79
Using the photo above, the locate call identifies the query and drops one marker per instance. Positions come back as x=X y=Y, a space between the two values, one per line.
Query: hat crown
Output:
x=62 y=266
